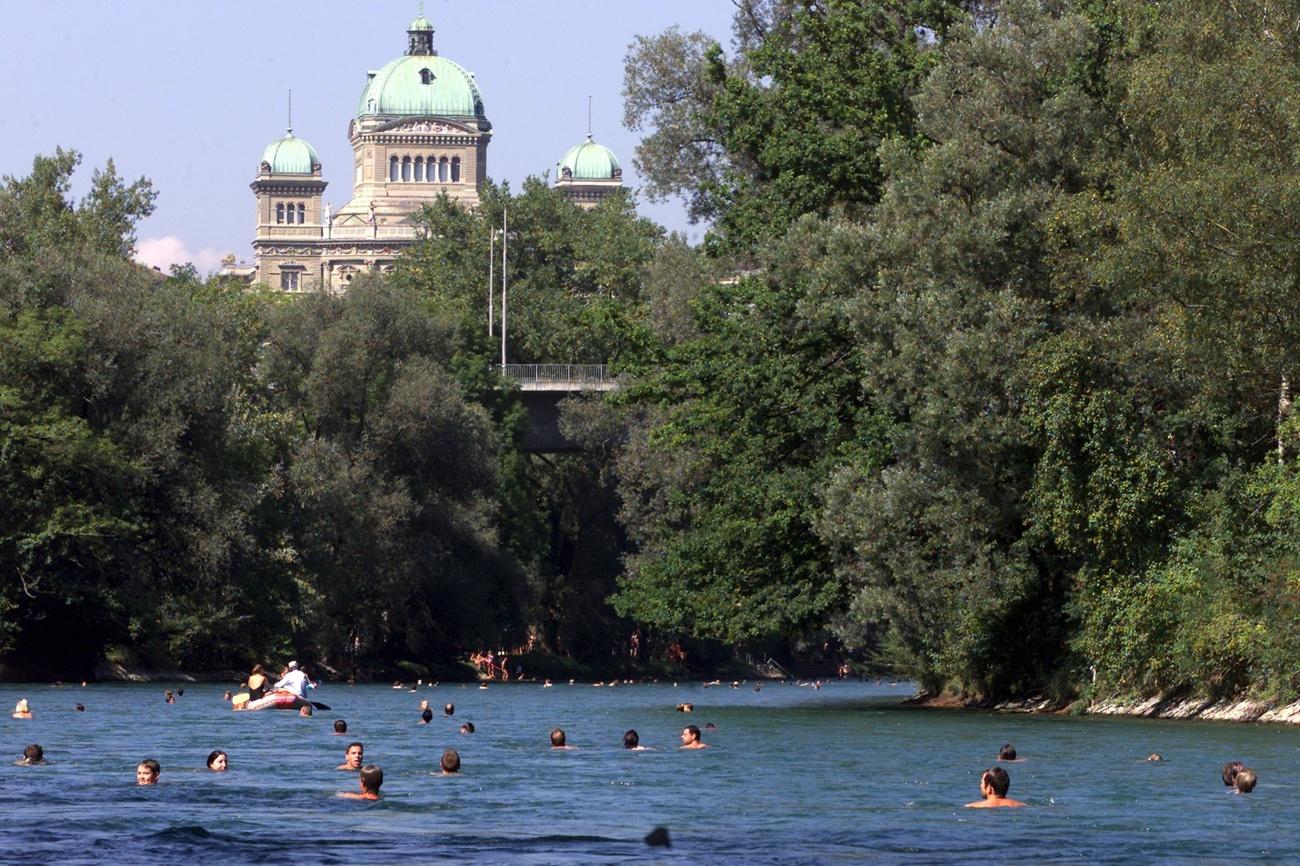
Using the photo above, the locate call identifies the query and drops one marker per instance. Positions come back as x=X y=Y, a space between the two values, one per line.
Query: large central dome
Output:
x=421 y=83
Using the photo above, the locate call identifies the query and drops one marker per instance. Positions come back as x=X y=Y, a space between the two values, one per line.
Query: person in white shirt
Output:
x=295 y=681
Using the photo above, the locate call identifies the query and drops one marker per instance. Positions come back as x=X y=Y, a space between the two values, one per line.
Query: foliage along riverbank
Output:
x=1202 y=709
x=983 y=371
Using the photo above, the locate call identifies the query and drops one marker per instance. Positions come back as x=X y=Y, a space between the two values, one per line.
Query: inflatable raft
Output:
x=277 y=700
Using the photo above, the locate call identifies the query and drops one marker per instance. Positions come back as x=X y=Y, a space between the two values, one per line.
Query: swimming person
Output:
x=632 y=741
x=218 y=761
x=1007 y=753
x=467 y=728
x=32 y=755
x=22 y=710
x=994 y=785
x=558 y=740
x=352 y=757
x=691 y=738
x=168 y=696
x=147 y=772
x=449 y=710
x=305 y=711
x=295 y=681
x=340 y=726
x=1245 y=780
x=1230 y=771
x=371 y=778
x=426 y=716
x=81 y=708
x=450 y=762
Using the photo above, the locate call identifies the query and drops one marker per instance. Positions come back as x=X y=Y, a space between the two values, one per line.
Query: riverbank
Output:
x=1204 y=709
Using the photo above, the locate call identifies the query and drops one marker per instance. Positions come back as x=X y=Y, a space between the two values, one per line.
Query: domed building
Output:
x=420 y=130
x=587 y=173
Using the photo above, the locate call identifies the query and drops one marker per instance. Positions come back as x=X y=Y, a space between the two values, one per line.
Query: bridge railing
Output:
x=575 y=376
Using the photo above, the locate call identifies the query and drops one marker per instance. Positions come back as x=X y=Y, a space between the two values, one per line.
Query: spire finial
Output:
x=290 y=130
x=588 y=117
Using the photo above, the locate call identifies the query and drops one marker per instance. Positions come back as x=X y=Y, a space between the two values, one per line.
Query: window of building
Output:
x=279 y=212
x=455 y=169
x=426 y=77
x=392 y=169
x=419 y=169
x=302 y=214
x=406 y=168
x=289 y=280
x=442 y=169
x=431 y=169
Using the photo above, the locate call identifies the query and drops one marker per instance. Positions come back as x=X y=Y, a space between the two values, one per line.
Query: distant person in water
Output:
x=81 y=708
x=168 y=696
x=340 y=726
x=32 y=755
x=1245 y=780
x=226 y=696
x=450 y=762
x=1230 y=771
x=22 y=710
x=467 y=728
x=372 y=778
x=449 y=710
x=632 y=741
x=305 y=711
x=1007 y=753
x=256 y=683
x=295 y=681
x=558 y=740
x=147 y=772
x=218 y=761
x=994 y=785
x=691 y=738
x=352 y=757
x=1154 y=757
x=424 y=704
x=686 y=708
x=426 y=716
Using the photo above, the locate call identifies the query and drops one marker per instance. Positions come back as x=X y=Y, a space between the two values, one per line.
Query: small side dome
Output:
x=420 y=24
x=290 y=155
x=589 y=161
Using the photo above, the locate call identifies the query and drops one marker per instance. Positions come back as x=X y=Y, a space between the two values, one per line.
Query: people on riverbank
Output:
x=371 y=779
x=691 y=738
x=352 y=757
x=147 y=772
x=1244 y=781
x=32 y=755
x=450 y=762
x=218 y=761
x=994 y=785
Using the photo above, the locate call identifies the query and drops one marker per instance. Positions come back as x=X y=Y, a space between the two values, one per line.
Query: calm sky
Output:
x=189 y=93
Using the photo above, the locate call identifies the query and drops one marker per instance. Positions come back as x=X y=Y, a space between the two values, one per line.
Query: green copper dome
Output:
x=420 y=23
x=422 y=84
x=589 y=161
x=290 y=155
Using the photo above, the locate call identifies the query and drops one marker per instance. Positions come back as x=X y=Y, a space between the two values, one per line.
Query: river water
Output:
x=792 y=775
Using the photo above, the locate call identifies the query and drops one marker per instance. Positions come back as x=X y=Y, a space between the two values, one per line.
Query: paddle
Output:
x=318 y=705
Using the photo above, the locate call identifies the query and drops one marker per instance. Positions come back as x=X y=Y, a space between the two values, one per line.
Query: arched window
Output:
x=406 y=168
x=302 y=214
x=392 y=169
x=279 y=212
x=455 y=169
x=431 y=174
x=442 y=169
x=419 y=169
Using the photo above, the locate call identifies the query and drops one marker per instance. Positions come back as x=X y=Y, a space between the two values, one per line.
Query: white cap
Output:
x=293 y=666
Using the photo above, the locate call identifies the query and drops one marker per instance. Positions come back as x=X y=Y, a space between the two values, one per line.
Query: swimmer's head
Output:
x=147 y=772
x=450 y=762
x=426 y=715
x=1230 y=771
x=557 y=738
x=371 y=778
x=340 y=726
x=81 y=708
x=467 y=728
x=449 y=710
x=218 y=761
x=33 y=754
x=997 y=781
x=305 y=711
x=631 y=739
x=1007 y=753
x=1245 y=780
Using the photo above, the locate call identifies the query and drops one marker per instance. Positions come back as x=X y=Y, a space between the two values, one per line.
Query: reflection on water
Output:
x=792 y=775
